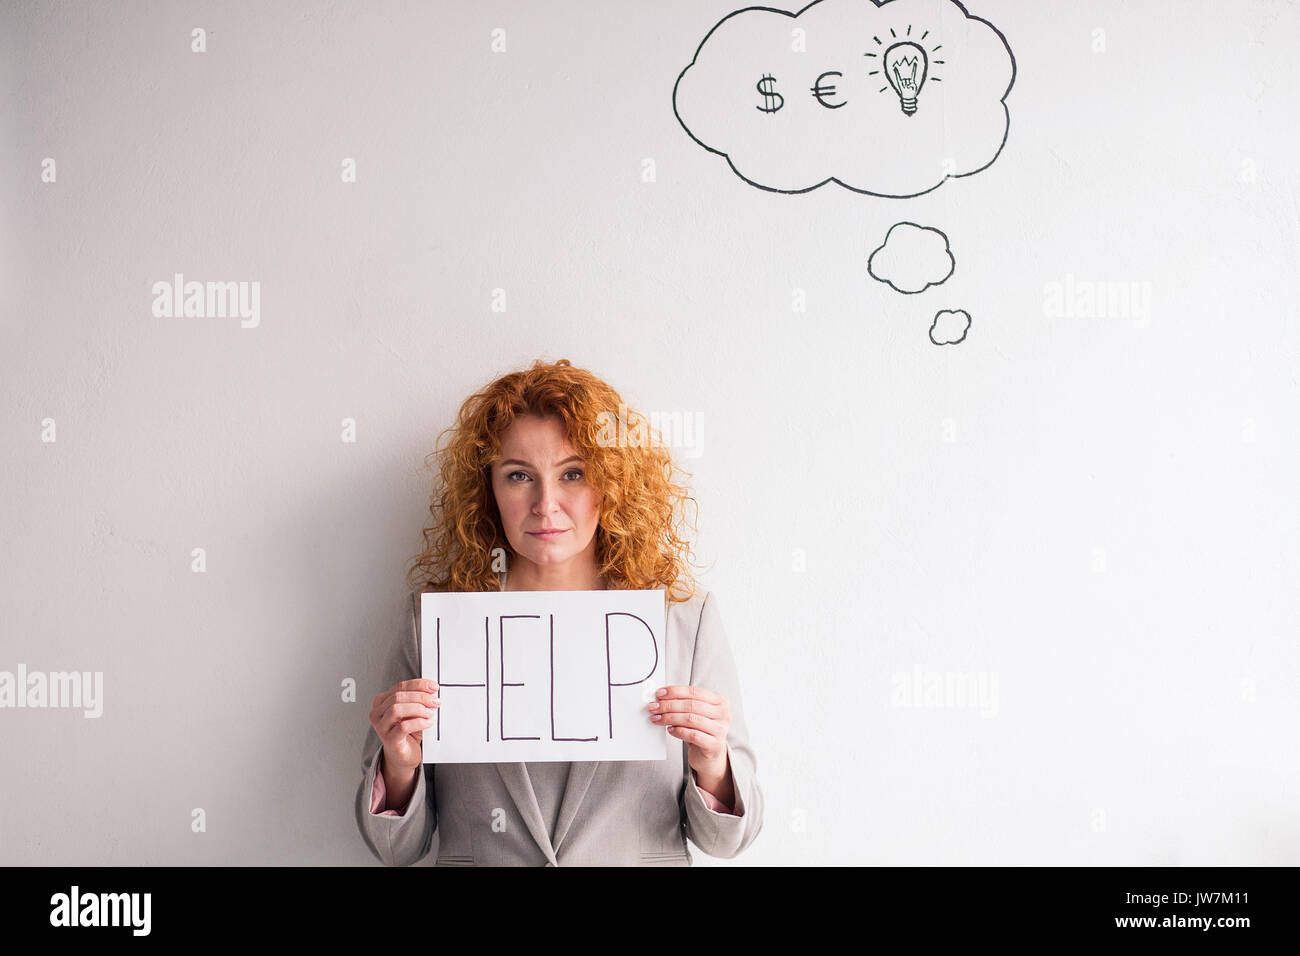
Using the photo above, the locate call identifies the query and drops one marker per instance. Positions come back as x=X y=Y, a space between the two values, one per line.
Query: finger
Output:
x=414 y=709
x=673 y=691
x=690 y=705
x=714 y=728
x=382 y=700
x=414 y=696
x=384 y=707
x=418 y=683
x=400 y=712
x=710 y=745
x=411 y=725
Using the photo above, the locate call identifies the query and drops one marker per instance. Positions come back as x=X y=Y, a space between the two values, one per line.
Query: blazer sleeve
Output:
x=398 y=840
x=712 y=667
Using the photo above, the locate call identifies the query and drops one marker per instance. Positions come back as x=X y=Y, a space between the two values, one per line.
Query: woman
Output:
x=535 y=472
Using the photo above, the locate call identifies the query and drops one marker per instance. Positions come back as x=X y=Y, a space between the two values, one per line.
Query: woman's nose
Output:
x=546 y=496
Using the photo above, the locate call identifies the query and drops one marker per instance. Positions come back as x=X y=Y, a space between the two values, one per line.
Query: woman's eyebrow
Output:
x=526 y=464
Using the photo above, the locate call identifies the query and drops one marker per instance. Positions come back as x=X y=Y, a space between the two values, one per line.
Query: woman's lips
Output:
x=548 y=535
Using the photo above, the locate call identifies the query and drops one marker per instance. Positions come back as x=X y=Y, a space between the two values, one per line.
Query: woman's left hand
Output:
x=700 y=718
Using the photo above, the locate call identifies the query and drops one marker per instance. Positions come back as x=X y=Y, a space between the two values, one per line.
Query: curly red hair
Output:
x=642 y=505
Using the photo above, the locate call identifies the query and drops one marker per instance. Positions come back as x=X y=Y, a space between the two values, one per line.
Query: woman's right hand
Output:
x=399 y=716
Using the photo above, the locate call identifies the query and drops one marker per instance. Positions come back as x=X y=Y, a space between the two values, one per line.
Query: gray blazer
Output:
x=627 y=812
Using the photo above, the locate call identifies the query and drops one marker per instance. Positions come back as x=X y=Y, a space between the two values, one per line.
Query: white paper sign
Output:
x=543 y=675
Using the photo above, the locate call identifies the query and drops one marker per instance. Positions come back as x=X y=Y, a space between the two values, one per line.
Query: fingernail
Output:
x=654 y=706
x=661 y=692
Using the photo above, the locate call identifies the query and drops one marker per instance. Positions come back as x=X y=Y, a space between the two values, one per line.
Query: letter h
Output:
x=487 y=705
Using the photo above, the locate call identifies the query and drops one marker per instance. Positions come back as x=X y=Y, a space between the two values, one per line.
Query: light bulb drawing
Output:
x=907 y=66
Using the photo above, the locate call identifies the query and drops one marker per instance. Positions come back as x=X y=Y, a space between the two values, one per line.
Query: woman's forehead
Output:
x=530 y=438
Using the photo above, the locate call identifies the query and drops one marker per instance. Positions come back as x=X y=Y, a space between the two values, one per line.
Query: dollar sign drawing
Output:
x=769 y=94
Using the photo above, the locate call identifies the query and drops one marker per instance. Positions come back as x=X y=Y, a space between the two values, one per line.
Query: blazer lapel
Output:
x=516 y=780
x=580 y=775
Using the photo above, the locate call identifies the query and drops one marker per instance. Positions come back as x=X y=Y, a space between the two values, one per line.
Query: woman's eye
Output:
x=572 y=471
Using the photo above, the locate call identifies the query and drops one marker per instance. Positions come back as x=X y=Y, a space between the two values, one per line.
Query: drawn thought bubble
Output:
x=912 y=258
x=949 y=326
x=889 y=100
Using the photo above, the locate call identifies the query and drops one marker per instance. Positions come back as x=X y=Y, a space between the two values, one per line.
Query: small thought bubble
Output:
x=912 y=258
x=949 y=326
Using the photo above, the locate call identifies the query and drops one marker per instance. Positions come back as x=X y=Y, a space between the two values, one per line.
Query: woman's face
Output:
x=540 y=483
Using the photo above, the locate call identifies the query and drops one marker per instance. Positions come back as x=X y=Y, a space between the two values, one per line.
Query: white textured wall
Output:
x=1098 y=513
